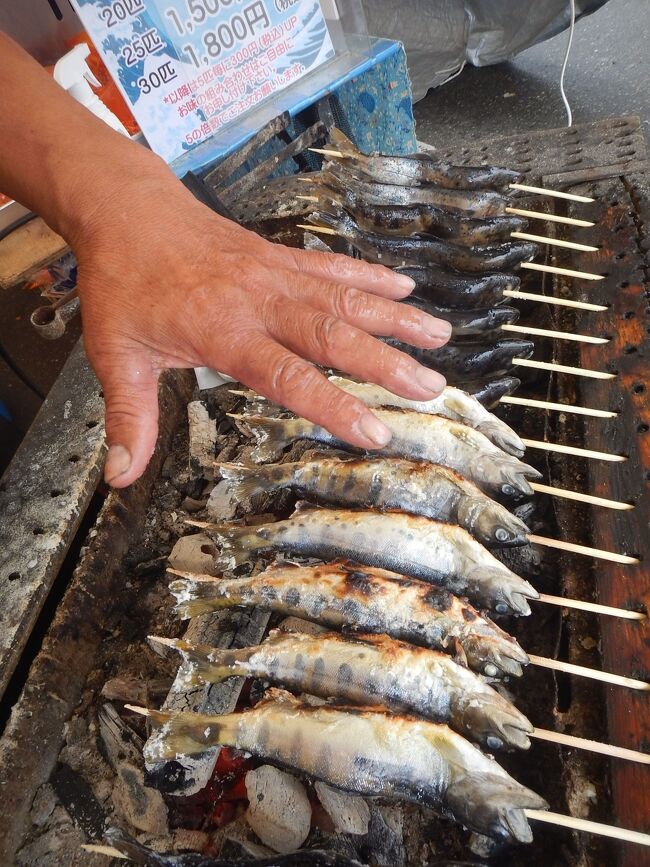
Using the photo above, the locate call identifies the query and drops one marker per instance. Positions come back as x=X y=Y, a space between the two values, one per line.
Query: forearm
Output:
x=56 y=157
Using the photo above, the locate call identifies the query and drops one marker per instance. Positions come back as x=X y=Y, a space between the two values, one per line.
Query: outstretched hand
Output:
x=166 y=283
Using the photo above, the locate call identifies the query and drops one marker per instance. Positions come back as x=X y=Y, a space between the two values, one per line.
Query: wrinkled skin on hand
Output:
x=165 y=283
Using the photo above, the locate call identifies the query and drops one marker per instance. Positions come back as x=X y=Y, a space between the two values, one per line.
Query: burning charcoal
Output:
x=350 y=813
x=193 y=554
x=143 y=808
x=222 y=504
x=279 y=812
x=203 y=439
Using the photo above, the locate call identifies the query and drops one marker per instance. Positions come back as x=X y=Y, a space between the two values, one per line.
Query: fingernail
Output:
x=437 y=328
x=118 y=461
x=430 y=379
x=404 y=282
x=374 y=429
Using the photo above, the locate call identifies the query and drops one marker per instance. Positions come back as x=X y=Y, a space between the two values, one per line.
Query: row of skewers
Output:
x=410 y=539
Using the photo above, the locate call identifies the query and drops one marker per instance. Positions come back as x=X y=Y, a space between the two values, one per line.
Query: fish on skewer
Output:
x=421 y=169
x=476 y=204
x=452 y=289
x=404 y=251
x=360 y=750
x=386 y=483
x=489 y=392
x=466 y=361
x=452 y=403
x=480 y=323
x=416 y=436
x=405 y=220
x=443 y=554
x=366 y=670
x=344 y=595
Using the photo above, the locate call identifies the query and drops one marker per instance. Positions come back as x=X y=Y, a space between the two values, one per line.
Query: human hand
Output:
x=165 y=283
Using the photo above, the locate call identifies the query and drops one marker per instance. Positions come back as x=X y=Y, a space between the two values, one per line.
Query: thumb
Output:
x=131 y=395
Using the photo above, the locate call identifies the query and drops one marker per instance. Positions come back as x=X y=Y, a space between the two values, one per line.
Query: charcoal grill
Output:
x=63 y=637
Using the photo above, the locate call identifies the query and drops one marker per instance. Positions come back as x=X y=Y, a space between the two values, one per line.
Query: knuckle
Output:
x=350 y=304
x=326 y=332
x=291 y=375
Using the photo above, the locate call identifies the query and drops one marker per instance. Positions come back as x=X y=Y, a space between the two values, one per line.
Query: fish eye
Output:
x=501 y=535
x=501 y=608
x=508 y=490
x=490 y=669
x=494 y=743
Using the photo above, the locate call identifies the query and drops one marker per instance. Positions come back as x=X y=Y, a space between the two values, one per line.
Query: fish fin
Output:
x=183 y=733
x=314 y=242
x=305 y=506
x=246 y=482
x=335 y=218
x=272 y=435
x=237 y=543
x=203 y=664
x=342 y=143
x=275 y=695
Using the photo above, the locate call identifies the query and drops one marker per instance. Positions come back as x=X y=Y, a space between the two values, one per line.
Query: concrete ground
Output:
x=608 y=74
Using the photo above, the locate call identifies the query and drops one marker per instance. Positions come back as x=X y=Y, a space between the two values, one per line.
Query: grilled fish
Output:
x=452 y=403
x=346 y=595
x=449 y=289
x=406 y=220
x=480 y=323
x=478 y=204
x=367 y=670
x=463 y=362
x=403 y=251
x=386 y=483
x=415 y=435
x=419 y=168
x=443 y=554
x=363 y=751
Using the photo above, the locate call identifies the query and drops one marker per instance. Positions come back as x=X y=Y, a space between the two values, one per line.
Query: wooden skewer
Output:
x=588 y=826
x=593 y=673
x=324 y=230
x=552 y=218
x=574 y=548
x=567 y=272
x=552 y=299
x=562 y=368
x=556 y=194
x=560 y=407
x=574 y=450
x=591 y=746
x=593 y=607
x=109 y=851
x=581 y=498
x=308 y=198
x=556 y=335
x=552 y=242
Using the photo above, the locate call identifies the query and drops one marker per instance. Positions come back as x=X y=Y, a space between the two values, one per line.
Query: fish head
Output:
x=491 y=523
x=502 y=436
x=493 y=803
x=494 y=653
x=511 y=476
x=493 y=721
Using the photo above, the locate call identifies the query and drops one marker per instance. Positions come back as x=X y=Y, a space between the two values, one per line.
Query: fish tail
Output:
x=342 y=143
x=194 y=598
x=237 y=543
x=246 y=482
x=334 y=217
x=184 y=733
x=203 y=664
x=272 y=435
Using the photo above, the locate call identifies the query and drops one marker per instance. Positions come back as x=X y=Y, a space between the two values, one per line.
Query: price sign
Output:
x=188 y=67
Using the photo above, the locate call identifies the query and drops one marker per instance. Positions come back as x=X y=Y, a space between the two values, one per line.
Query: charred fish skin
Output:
x=459 y=291
x=478 y=204
x=490 y=392
x=463 y=362
x=403 y=251
x=452 y=403
x=363 y=751
x=480 y=323
x=443 y=554
x=415 y=436
x=345 y=595
x=420 y=168
x=418 y=488
x=367 y=670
